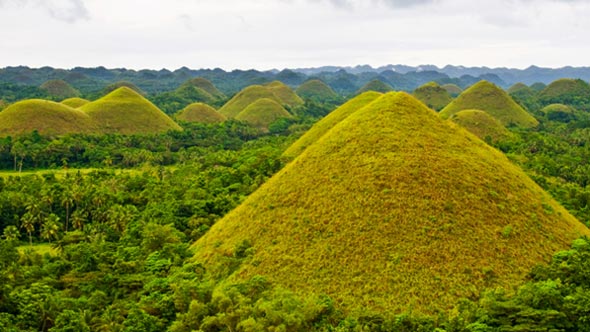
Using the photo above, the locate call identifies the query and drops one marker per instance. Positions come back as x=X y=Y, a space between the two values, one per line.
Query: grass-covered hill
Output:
x=433 y=95
x=262 y=113
x=114 y=86
x=490 y=98
x=332 y=119
x=316 y=90
x=568 y=91
x=375 y=85
x=558 y=112
x=482 y=125
x=75 y=102
x=59 y=89
x=538 y=87
x=391 y=210
x=125 y=111
x=206 y=85
x=453 y=89
x=46 y=117
x=518 y=87
x=288 y=97
x=246 y=97
x=199 y=112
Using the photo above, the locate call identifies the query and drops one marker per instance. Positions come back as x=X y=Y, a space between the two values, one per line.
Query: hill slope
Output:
x=433 y=95
x=285 y=94
x=316 y=90
x=393 y=209
x=124 y=111
x=262 y=113
x=375 y=85
x=246 y=97
x=488 y=97
x=59 y=89
x=332 y=119
x=481 y=124
x=199 y=112
x=453 y=89
x=75 y=102
x=206 y=85
x=47 y=117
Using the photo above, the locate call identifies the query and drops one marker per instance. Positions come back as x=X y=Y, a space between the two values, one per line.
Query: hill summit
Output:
x=375 y=85
x=488 y=97
x=59 y=89
x=392 y=209
x=317 y=90
x=433 y=95
x=199 y=112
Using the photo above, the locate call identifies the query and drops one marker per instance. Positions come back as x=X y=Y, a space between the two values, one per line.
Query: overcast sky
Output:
x=266 y=34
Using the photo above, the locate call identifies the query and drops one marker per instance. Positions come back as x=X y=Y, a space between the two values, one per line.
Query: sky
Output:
x=277 y=34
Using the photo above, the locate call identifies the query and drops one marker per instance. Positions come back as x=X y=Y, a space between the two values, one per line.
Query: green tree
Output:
x=50 y=228
x=11 y=233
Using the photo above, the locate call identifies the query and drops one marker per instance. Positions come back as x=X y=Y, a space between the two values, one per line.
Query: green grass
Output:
x=488 y=97
x=246 y=97
x=482 y=125
x=285 y=94
x=316 y=90
x=392 y=210
x=375 y=85
x=75 y=102
x=47 y=117
x=60 y=89
x=199 y=112
x=124 y=111
x=40 y=249
x=453 y=89
x=207 y=86
x=327 y=123
x=262 y=113
x=433 y=95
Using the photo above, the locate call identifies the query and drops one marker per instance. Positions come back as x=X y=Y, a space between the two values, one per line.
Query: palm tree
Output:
x=67 y=201
x=28 y=223
x=50 y=228
x=11 y=233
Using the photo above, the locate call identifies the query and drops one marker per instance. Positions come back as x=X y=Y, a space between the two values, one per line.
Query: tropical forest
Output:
x=333 y=200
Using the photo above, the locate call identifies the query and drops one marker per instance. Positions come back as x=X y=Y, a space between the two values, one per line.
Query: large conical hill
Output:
x=482 y=125
x=247 y=96
x=392 y=210
x=206 y=85
x=433 y=96
x=375 y=85
x=46 y=117
x=488 y=97
x=287 y=96
x=328 y=122
x=199 y=112
x=566 y=91
x=125 y=111
x=317 y=90
x=262 y=113
x=59 y=89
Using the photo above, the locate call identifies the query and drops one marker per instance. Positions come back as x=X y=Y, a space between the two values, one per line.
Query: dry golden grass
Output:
x=75 y=102
x=488 y=97
x=482 y=125
x=393 y=209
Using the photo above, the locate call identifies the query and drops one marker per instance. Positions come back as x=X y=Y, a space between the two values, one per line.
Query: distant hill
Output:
x=246 y=97
x=262 y=113
x=433 y=96
x=488 y=97
x=316 y=90
x=286 y=95
x=206 y=85
x=328 y=122
x=199 y=112
x=391 y=210
x=59 y=89
x=114 y=86
x=375 y=85
x=125 y=111
x=46 y=117
x=558 y=112
x=453 y=89
x=566 y=91
x=482 y=125
x=75 y=102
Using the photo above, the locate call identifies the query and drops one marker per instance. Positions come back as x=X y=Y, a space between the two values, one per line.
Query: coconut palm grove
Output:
x=327 y=200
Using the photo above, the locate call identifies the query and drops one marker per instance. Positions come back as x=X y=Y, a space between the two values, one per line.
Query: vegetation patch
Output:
x=287 y=96
x=262 y=113
x=120 y=84
x=75 y=102
x=488 y=97
x=316 y=90
x=573 y=92
x=59 y=89
x=199 y=112
x=207 y=86
x=433 y=95
x=375 y=85
x=453 y=89
x=482 y=125
x=558 y=112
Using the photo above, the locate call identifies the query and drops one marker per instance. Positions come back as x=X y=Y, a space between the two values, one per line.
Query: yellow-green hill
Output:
x=433 y=95
x=566 y=91
x=246 y=97
x=206 y=85
x=285 y=94
x=59 y=89
x=262 y=113
x=315 y=89
x=114 y=86
x=392 y=210
x=453 y=89
x=488 y=97
x=332 y=119
x=558 y=112
x=375 y=85
x=47 y=117
x=75 y=102
x=124 y=111
x=199 y=112
x=518 y=87
x=482 y=125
